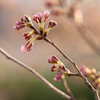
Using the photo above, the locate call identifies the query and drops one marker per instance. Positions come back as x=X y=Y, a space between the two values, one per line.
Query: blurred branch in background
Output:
x=73 y=11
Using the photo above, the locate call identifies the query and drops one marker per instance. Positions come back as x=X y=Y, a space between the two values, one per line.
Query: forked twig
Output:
x=75 y=65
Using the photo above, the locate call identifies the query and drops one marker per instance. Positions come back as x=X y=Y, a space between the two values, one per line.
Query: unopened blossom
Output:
x=18 y=27
x=54 y=68
x=85 y=70
x=39 y=17
x=28 y=35
x=35 y=18
x=25 y=48
x=53 y=60
x=52 y=24
x=46 y=15
x=57 y=77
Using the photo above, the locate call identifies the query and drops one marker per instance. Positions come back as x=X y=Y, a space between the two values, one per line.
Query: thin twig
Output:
x=35 y=73
x=75 y=65
x=66 y=86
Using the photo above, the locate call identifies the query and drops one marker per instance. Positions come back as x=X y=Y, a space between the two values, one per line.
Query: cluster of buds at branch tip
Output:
x=34 y=35
x=25 y=21
x=85 y=70
x=92 y=74
x=57 y=66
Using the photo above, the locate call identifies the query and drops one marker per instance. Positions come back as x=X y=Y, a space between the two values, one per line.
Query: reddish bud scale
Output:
x=38 y=38
x=52 y=24
x=54 y=68
x=41 y=30
x=45 y=33
x=27 y=36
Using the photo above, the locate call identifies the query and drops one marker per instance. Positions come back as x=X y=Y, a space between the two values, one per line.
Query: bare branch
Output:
x=35 y=73
x=66 y=86
x=75 y=65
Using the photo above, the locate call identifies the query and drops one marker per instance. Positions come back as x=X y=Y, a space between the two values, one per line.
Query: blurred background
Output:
x=16 y=83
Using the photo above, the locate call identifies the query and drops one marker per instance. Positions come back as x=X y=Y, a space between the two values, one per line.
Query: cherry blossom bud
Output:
x=35 y=18
x=23 y=48
x=52 y=24
x=26 y=48
x=85 y=70
x=18 y=27
x=18 y=23
x=39 y=16
x=53 y=60
x=46 y=15
x=28 y=35
x=54 y=68
x=57 y=77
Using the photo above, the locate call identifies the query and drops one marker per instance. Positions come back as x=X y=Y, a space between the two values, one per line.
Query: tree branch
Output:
x=76 y=67
x=35 y=73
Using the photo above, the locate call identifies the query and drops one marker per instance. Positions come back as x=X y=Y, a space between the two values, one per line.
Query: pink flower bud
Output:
x=53 y=60
x=85 y=70
x=27 y=36
x=52 y=24
x=46 y=15
x=39 y=16
x=57 y=77
x=18 y=22
x=26 y=48
x=23 y=48
x=35 y=18
x=20 y=26
x=54 y=68
x=16 y=28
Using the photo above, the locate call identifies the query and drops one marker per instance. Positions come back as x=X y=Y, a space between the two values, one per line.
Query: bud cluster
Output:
x=92 y=74
x=34 y=35
x=57 y=66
